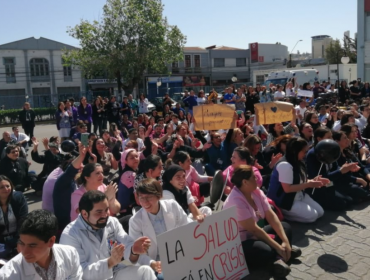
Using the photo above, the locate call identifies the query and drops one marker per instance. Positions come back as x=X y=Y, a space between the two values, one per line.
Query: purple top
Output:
x=47 y=191
x=244 y=210
x=85 y=114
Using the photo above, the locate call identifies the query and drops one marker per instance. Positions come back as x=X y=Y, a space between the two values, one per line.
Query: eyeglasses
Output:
x=146 y=198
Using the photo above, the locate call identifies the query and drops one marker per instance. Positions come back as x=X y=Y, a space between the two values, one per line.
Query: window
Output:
x=67 y=72
x=197 y=60
x=219 y=62
x=9 y=63
x=187 y=60
x=260 y=79
x=39 y=69
x=241 y=62
x=175 y=67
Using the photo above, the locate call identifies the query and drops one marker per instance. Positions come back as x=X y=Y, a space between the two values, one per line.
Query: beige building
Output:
x=319 y=45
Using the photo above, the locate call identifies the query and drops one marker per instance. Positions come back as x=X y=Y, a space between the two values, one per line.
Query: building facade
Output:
x=319 y=45
x=214 y=68
x=363 y=40
x=32 y=70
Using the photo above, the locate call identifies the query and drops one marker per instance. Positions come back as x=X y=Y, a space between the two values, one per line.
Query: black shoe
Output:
x=280 y=269
x=296 y=252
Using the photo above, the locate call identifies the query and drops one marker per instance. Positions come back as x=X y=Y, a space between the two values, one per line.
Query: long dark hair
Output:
x=293 y=148
x=86 y=172
x=4 y=178
x=94 y=150
x=319 y=133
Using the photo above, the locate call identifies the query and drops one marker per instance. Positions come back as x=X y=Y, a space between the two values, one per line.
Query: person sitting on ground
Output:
x=15 y=168
x=50 y=160
x=199 y=185
x=145 y=222
x=39 y=257
x=14 y=209
x=7 y=140
x=91 y=178
x=289 y=180
x=82 y=128
x=174 y=186
x=265 y=240
x=102 y=243
x=20 y=138
x=107 y=160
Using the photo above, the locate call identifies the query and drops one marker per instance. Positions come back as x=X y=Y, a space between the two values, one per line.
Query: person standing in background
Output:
x=85 y=112
x=27 y=119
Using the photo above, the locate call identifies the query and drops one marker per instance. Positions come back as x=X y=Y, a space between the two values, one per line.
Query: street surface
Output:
x=335 y=247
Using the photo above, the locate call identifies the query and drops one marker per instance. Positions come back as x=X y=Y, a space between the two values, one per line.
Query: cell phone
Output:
x=85 y=139
x=239 y=112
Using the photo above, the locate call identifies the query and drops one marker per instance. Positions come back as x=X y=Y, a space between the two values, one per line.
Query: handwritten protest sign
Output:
x=273 y=112
x=306 y=93
x=214 y=117
x=208 y=250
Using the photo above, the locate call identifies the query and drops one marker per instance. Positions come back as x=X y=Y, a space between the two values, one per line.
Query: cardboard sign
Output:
x=273 y=112
x=208 y=250
x=214 y=117
x=306 y=93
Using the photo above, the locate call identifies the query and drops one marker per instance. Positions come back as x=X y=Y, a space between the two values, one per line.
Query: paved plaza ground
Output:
x=335 y=247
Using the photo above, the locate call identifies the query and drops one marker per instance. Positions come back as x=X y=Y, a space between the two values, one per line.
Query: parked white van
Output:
x=302 y=76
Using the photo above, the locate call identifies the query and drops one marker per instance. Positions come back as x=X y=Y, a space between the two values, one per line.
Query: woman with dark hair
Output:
x=110 y=142
x=365 y=91
x=130 y=160
x=356 y=186
x=288 y=182
x=277 y=129
x=329 y=198
x=263 y=243
x=98 y=115
x=354 y=90
x=85 y=112
x=343 y=92
x=14 y=209
x=276 y=147
x=234 y=139
x=174 y=187
x=240 y=156
x=150 y=167
x=105 y=159
x=349 y=117
x=199 y=185
x=355 y=146
x=63 y=119
x=306 y=132
x=91 y=178
x=313 y=119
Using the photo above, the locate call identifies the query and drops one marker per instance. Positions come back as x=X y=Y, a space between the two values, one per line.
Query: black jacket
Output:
x=49 y=160
x=16 y=171
x=23 y=118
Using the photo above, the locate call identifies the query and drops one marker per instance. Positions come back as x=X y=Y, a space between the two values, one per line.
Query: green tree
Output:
x=350 y=46
x=331 y=52
x=132 y=37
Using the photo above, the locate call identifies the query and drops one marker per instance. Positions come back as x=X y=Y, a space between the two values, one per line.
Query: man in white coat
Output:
x=101 y=243
x=39 y=257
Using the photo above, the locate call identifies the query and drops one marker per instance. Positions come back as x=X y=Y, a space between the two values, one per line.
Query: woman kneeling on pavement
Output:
x=288 y=182
x=263 y=243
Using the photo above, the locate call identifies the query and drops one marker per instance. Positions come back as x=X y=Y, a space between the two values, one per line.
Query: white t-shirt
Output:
x=289 y=92
x=279 y=94
x=285 y=170
x=169 y=195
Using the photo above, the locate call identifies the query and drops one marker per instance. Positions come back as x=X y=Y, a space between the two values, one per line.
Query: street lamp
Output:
x=234 y=78
x=344 y=60
x=290 y=55
x=159 y=83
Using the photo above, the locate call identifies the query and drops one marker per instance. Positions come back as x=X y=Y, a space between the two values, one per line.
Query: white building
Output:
x=32 y=70
x=319 y=45
x=363 y=39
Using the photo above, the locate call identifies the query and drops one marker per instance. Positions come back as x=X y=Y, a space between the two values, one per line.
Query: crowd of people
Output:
x=116 y=177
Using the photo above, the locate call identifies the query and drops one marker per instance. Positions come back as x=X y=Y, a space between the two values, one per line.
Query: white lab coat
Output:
x=93 y=253
x=66 y=257
x=140 y=224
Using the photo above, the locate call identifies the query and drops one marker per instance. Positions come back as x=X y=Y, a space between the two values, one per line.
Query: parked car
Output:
x=158 y=102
